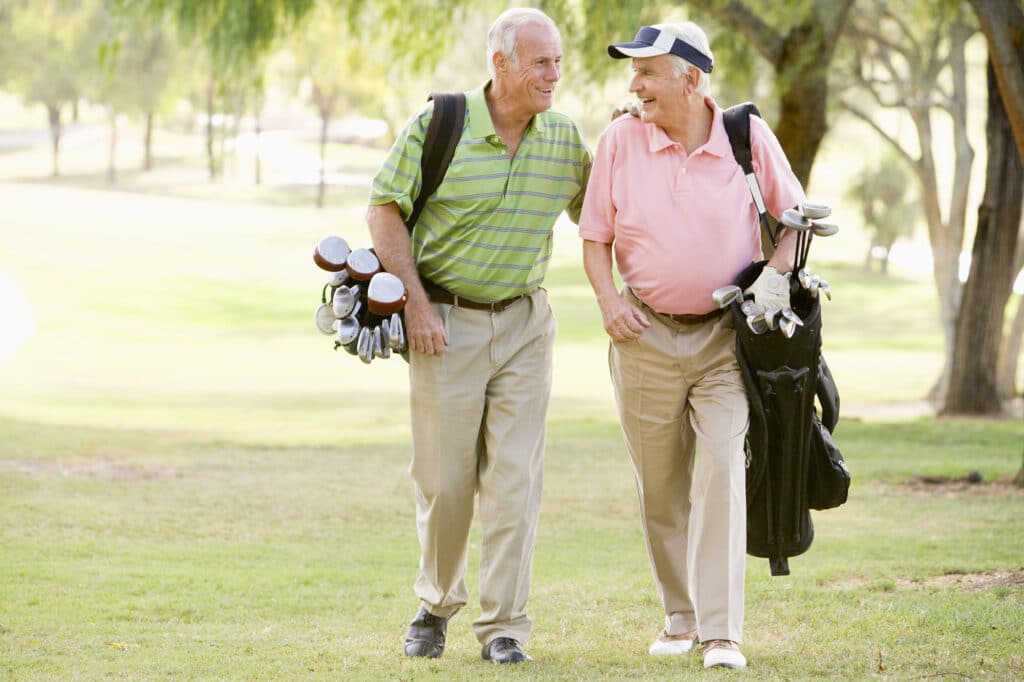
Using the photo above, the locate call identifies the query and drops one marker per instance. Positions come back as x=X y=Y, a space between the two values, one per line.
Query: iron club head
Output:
x=724 y=296
x=816 y=211
x=824 y=229
x=792 y=219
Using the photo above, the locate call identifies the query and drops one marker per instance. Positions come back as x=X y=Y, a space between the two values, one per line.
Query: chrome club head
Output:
x=771 y=316
x=792 y=219
x=816 y=211
x=364 y=346
x=788 y=314
x=757 y=323
x=804 y=277
x=344 y=300
x=348 y=330
x=324 y=318
x=396 y=333
x=788 y=327
x=824 y=229
x=812 y=287
x=751 y=307
x=825 y=289
x=724 y=296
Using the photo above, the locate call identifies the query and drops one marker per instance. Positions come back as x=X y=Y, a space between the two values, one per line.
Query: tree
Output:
x=1002 y=23
x=973 y=383
x=1003 y=26
x=888 y=213
x=908 y=58
x=328 y=59
x=797 y=38
x=52 y=57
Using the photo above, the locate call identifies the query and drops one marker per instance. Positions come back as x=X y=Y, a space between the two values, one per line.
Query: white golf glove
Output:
x=771 y=289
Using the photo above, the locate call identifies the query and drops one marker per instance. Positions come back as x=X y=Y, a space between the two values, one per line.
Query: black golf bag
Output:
x=793 y=465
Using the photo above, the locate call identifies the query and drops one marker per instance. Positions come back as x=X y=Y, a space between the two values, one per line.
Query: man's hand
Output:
x=622 y=320
x=771 y=289
x=424 y=328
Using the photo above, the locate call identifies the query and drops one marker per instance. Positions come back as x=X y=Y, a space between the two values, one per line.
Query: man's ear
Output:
x=500 y=62
x=692 y=80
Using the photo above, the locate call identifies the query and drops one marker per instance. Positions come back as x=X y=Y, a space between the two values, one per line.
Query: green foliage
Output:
x=887 y=206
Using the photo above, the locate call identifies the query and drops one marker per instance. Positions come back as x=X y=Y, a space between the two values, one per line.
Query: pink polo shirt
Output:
x=682 y=225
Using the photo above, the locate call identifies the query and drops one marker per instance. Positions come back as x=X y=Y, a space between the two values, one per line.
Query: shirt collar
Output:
x=480 y=124
x=718 y=140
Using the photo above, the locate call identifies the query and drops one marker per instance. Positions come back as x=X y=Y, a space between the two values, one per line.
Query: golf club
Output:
x=324 y=318
x=724 y=296
x=816 y=211
x=824 y=229
x=364 y=345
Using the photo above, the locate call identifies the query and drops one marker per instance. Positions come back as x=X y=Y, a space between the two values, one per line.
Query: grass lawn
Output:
x=195 y=486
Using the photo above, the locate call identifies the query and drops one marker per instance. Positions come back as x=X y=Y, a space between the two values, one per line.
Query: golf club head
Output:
x=344 y=300
x=324 y=318
x=788 y=327
x=771 y=316
x=792 y=219
x=804 y=277
x=812 y=287
x=364 y=345
x=757 y=323
x=788 y=314
x=348 y=330
x=724 y=296
x=824 y=229
x=385 y=339
x=816 y=211
x=751 y=307
x=378 y=344
x=396 y=333
x=825 y=289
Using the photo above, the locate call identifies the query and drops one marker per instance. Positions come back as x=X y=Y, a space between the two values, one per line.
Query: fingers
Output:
x=425 y=330
x=626 y=322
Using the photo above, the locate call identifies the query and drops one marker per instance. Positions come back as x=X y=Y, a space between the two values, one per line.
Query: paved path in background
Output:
x=31 y=137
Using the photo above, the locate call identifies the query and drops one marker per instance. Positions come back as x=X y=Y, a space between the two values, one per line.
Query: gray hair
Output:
x=691 y=33
x=503 y=34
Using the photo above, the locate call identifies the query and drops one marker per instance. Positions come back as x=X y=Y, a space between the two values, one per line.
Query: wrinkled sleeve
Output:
x=399 y=178
x=597 y=221
x=779 y=186
x=575 y=207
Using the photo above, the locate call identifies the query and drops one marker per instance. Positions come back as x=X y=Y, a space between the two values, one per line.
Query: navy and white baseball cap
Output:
x=651 y=42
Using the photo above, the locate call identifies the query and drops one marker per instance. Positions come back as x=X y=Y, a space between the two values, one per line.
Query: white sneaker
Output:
x=663 y=646
x=721 y=652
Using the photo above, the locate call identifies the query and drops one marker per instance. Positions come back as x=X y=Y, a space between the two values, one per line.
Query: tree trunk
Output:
x=53 y=112
x=973 y=385
x=1002 y=21
x=259 y=132
x=1010 y=353
x=211 y=157
x=112 y=149
x=325 y=119
x=147 y=144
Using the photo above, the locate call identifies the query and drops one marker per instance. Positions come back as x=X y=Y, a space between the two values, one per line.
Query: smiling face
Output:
x=532 y=77
x=662 y=91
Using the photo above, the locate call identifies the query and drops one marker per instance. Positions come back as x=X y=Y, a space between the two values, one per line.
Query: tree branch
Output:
x=765 y=39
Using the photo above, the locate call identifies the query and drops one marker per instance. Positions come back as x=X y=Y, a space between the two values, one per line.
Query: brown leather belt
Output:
x=441 y=295
x=695 y=319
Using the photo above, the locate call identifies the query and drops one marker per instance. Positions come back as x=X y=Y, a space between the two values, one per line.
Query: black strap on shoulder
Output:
x=439 y=144
x=737 y=126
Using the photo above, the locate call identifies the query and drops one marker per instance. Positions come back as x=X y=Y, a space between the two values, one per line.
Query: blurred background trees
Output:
x=898 y=67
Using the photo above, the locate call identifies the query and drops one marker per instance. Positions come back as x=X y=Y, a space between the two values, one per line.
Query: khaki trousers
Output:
x=478 y=426
x=684 y=416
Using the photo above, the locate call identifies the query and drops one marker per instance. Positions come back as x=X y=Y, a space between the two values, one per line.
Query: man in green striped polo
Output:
x=480 y=329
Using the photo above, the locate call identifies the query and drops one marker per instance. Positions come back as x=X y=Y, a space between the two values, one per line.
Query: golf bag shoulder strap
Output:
x=737 y=127
x=439 y=144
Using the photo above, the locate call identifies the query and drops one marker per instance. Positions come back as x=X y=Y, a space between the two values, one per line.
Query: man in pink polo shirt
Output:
x=669 y=199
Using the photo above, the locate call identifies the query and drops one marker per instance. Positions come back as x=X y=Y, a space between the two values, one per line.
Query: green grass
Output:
x=194 y=486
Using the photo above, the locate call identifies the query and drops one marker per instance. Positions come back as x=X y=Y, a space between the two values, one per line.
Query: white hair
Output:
x=691 y=33
x=503 y=34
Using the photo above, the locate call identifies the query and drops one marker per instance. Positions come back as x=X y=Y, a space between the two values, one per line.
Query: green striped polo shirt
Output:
x=486 y=233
